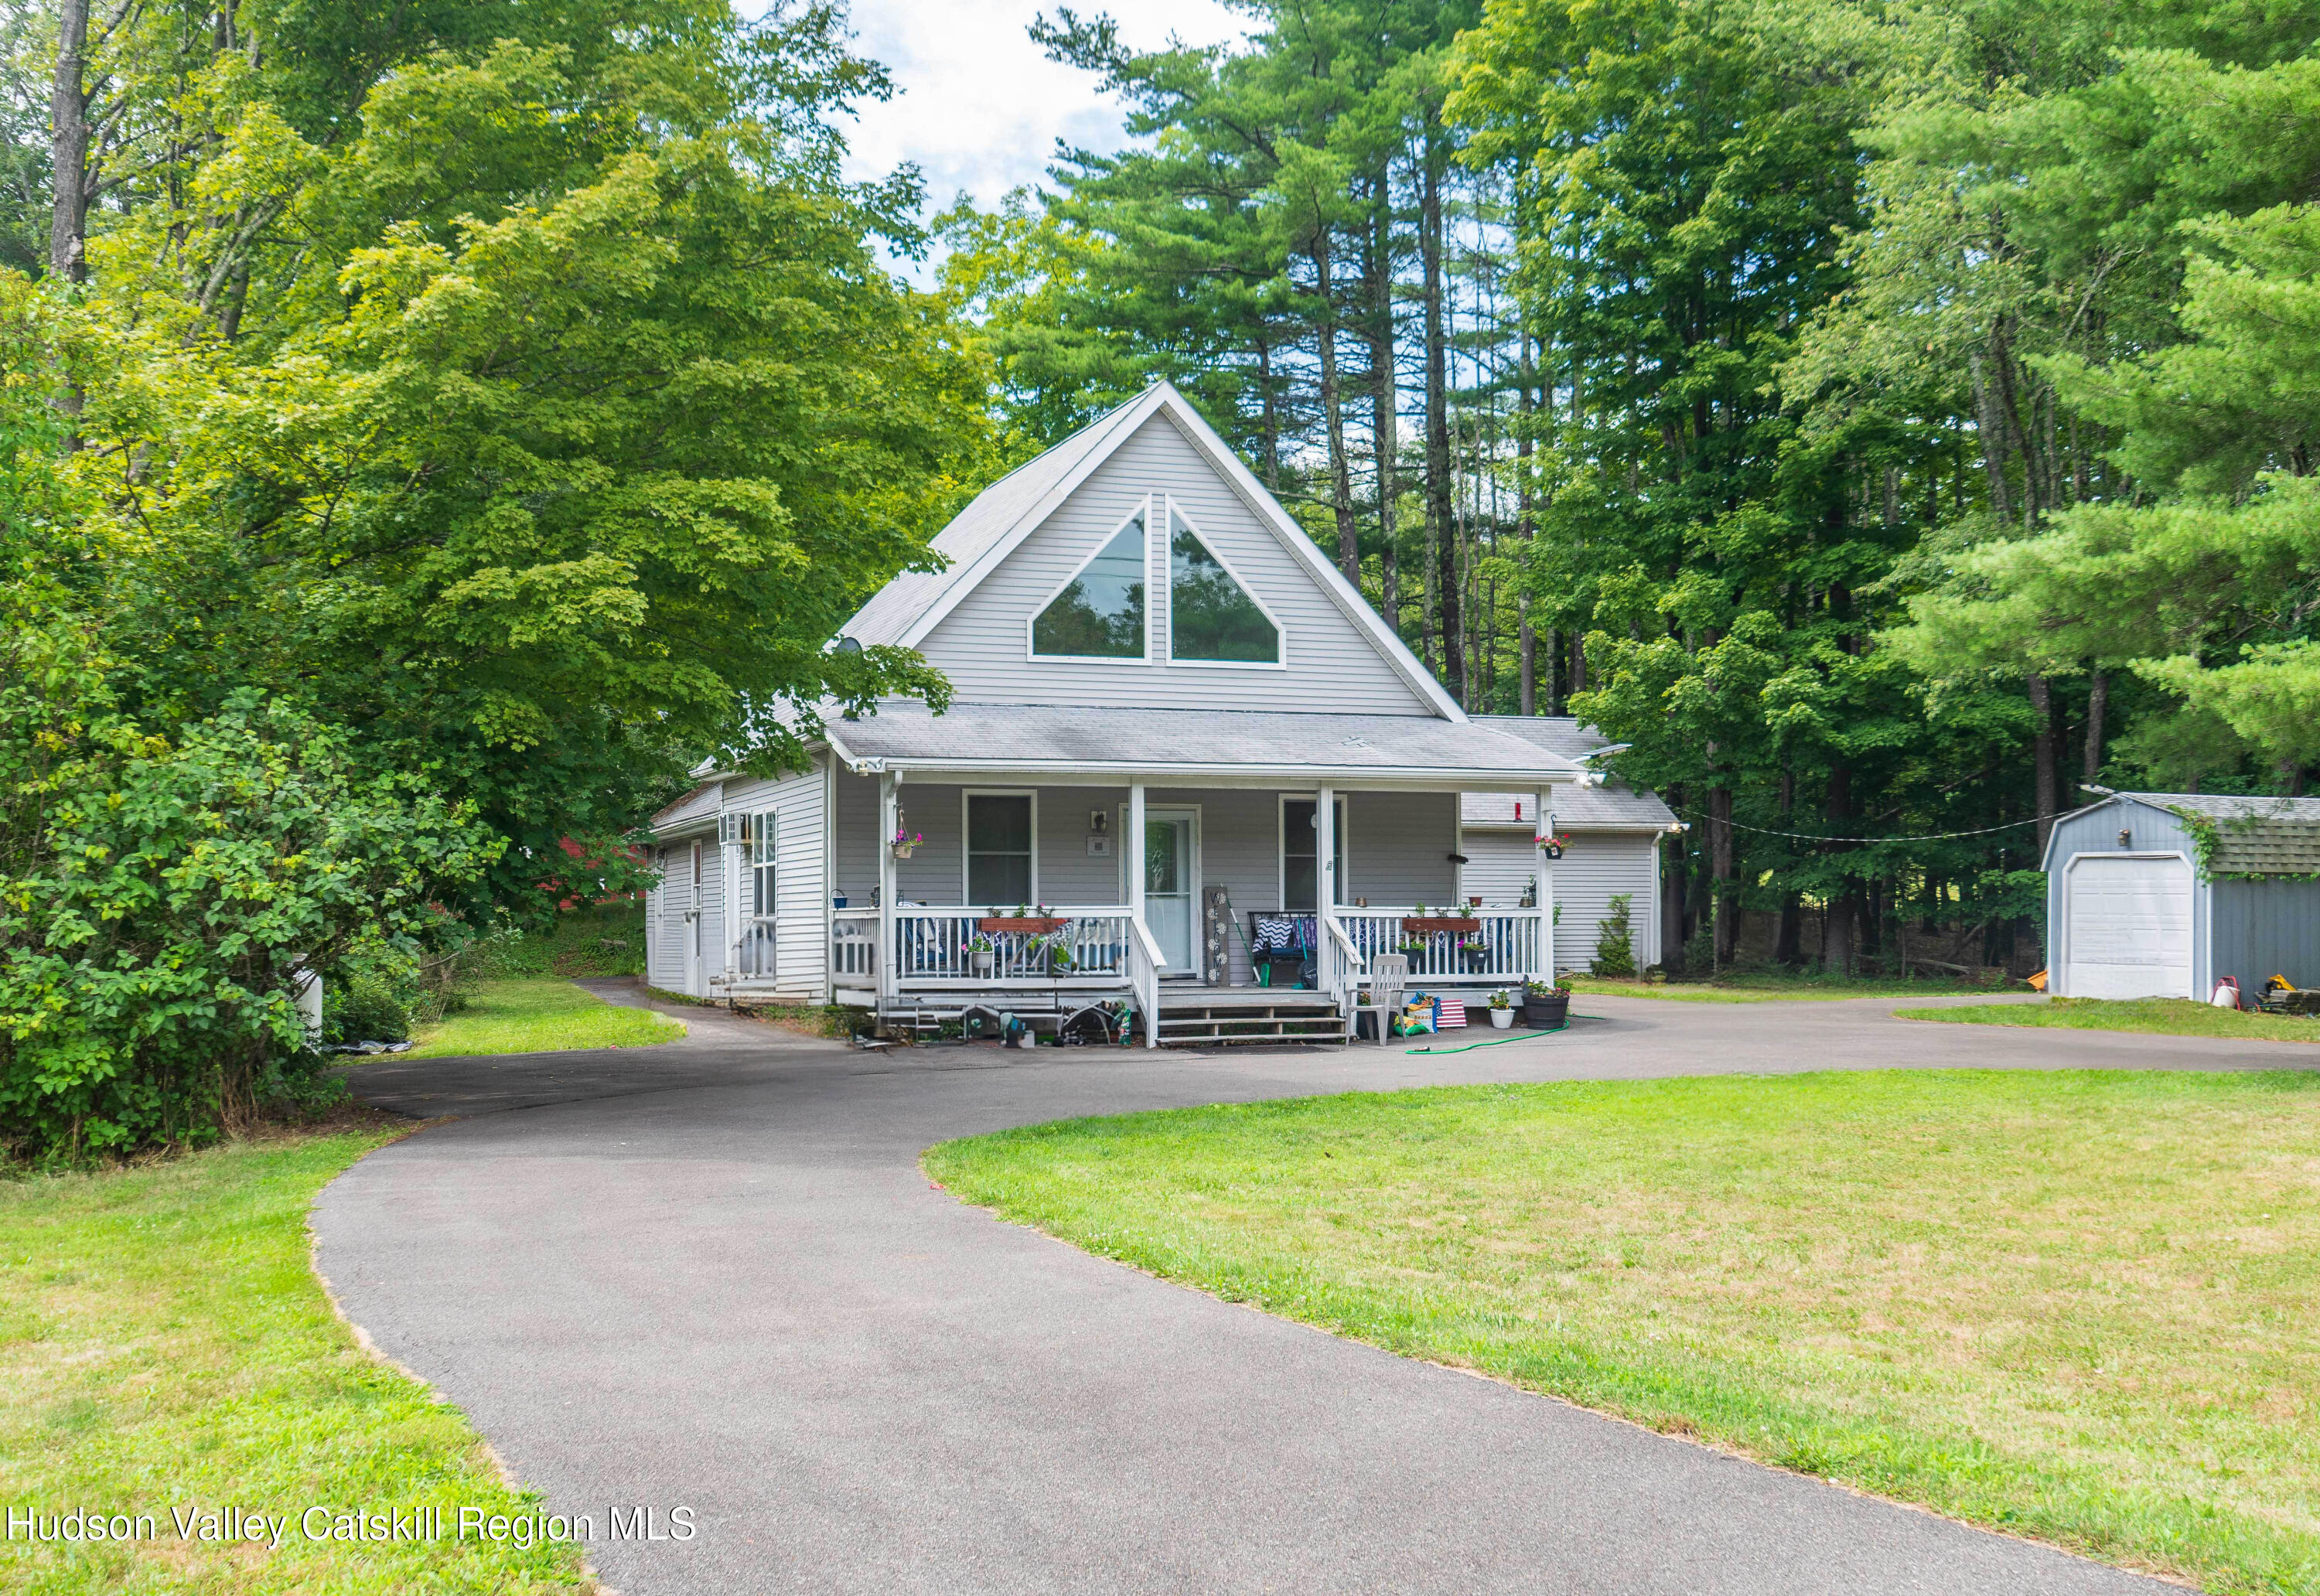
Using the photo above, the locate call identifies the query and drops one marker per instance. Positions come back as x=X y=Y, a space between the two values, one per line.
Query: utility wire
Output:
x=1816 y=836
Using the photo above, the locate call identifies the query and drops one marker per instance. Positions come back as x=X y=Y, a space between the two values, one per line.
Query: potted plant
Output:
x=1475 y=952
x=1554 y=842
x=905 y=843
x=1414 y=946
x=983 y=952
x=1502 y=1010
x=1547 y=1005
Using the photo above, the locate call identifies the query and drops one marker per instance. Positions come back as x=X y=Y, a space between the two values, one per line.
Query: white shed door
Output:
x=2130 y=928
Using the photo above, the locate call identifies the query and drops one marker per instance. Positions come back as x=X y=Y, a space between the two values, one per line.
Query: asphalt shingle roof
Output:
x=1575 y=808
x=2254 y=836
x=973 y=530
x=1032 y=735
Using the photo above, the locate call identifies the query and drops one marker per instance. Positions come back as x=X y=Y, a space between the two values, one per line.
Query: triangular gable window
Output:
x=1211 y=618
x=1100 y=612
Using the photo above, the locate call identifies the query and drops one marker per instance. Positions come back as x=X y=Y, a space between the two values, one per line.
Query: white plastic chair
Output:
x=1389 y=974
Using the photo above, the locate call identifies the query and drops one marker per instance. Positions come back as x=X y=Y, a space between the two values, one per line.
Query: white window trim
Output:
x=1151 y=600
x=1280 y=850
x=1171 y=513
x=966 y=859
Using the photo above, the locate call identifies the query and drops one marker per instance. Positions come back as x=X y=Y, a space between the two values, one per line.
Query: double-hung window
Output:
x=998 y=849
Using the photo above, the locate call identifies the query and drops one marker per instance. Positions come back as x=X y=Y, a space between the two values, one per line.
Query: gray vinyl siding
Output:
x=2149 y=831
x=857 y=834
x=801 y=939
x=1399 y=846
x=2264 y=928
x=1593 y=868
x=1331 y=665
x=1500 y=865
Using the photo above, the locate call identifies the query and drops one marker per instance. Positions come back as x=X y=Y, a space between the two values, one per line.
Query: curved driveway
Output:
x=711 y=1276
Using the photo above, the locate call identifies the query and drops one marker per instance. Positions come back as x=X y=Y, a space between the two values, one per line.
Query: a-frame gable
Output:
x=1339 y=653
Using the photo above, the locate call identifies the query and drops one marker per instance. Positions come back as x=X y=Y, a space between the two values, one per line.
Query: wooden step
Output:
x=1187 y=1021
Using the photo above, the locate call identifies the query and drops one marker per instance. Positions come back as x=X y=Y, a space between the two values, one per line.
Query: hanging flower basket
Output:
x=905 y=843
x=1554 y=845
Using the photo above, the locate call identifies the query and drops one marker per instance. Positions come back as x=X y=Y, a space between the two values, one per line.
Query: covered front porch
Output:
x=1035 y=859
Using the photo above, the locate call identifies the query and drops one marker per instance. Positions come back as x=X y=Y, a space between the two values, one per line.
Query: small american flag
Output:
x=1450 y=1013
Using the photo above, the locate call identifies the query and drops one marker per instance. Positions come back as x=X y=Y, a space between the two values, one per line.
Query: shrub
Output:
x=1615 y=941
x=366 y=1010
x=159 y=900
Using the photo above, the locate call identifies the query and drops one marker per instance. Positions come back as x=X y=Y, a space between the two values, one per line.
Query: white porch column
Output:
x=1545 y=823
x=1325 y=855
x=882 y=959
x=1133 y=843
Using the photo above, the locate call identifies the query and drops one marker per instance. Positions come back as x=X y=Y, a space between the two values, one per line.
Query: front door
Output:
x=1172 y=868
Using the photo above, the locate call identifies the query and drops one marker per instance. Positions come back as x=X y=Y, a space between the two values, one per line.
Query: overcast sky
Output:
x=980 y=107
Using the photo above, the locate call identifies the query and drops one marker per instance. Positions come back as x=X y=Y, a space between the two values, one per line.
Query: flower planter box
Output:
x=1030 y=925
x=1546 y=1013
x=1460 y=923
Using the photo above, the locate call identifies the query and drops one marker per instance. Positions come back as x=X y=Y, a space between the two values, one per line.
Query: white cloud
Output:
x=979 y=107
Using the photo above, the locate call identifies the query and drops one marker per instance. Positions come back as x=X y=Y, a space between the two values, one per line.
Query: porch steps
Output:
x=1209 y=1017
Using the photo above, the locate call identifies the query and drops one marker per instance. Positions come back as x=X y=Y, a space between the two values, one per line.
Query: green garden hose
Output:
x=1501 y=1041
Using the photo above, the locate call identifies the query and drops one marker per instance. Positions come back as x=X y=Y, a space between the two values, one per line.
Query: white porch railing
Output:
x=752 y=955
x=854 y=946
x=935 y=948
x=1506 y=948
x=1144 y=958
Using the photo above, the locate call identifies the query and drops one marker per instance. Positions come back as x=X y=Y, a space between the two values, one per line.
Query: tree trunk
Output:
x=69 y=146
x=1991 y=430
x=1385 y=421
x=1788 y=943
x=1271 y=425
x=1440 y=530
x=1525 y=529
x=1578 y=663
x=2042 y=705
x=1672 y=884
x=1333 y=414
x=2098 y=705
x=1836 y=949
x=1719 y=870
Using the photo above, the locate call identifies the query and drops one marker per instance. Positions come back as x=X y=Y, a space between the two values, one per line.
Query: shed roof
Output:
x=2255 y=834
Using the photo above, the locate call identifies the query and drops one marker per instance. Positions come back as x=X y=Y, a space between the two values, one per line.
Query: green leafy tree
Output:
x=539 y=412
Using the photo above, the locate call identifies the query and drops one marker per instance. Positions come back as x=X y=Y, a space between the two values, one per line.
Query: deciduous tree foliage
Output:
x=510 y=394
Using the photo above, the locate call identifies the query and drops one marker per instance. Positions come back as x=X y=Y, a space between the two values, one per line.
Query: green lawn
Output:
x=2083 y=1307
x=2166 y=1017
x=540 y=1017
x=1768 y=988
x=164 y=1344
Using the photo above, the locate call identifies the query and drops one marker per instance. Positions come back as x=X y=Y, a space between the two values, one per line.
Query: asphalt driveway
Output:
x=711 y=1276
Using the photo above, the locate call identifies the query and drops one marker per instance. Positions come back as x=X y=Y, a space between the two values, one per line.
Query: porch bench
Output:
x=1281 y=941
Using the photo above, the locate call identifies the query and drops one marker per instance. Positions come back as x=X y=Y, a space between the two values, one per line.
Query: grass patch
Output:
x=2162 y=1017
x=540 y=1017
x=164 y=1344
x=1768 y=986
x=2077 y=1306
x=592 y=941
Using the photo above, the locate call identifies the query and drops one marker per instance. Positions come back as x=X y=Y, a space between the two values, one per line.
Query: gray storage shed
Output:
x=2135 y=907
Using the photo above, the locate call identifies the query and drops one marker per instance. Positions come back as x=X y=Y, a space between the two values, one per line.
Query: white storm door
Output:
x=694 y=984
x=2130 y=927
x=1172 y=883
